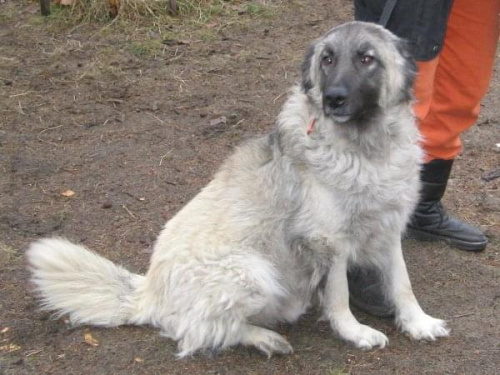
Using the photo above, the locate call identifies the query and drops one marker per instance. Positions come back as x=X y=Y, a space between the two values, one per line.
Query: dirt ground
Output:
x=135 y=123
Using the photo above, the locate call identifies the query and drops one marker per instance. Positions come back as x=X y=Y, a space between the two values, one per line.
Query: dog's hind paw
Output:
x=425 y=327
x=267 y=341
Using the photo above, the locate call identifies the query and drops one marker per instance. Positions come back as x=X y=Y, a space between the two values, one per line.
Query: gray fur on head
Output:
x=347 y=44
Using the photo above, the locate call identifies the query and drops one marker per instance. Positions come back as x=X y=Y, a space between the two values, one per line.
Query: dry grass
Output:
x=102 y=10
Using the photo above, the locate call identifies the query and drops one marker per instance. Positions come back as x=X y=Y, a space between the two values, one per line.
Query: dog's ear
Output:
x=306 y=68
x=409 y=70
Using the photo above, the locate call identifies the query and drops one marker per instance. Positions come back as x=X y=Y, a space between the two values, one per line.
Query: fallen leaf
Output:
x=68 y=193
x=90 y=340
x=114 y=6
x=138 y=360
x=5 y=330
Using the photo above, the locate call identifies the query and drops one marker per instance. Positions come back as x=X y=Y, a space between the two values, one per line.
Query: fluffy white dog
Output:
x=333 y=185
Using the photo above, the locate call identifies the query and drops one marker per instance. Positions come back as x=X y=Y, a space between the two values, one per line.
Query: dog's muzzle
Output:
x=335 y=103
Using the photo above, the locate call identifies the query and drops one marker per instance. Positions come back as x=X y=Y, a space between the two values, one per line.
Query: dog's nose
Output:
x=336 y=96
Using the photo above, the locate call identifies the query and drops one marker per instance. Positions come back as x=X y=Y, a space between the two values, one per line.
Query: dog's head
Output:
x=357 y=69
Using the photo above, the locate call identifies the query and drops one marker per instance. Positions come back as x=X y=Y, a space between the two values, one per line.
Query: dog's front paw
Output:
x=364 y=337
x=425 y=327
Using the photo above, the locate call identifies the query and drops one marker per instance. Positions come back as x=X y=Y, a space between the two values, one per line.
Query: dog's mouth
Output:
x=339 y=115
x=340 y=118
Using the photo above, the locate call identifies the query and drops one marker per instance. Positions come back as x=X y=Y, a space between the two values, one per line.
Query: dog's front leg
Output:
x=409 y=315
x=336 y=309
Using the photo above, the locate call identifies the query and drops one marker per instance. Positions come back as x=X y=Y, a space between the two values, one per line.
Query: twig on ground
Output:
x=462 y=315
x=129 y=212
x=164 y=156
x=279 y=96
x=21 y=94
x=156 y=118
x=21 y=111
x=33 y=352
x=44 y=130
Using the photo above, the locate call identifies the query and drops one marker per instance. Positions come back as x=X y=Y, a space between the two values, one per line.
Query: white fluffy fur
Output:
x=79 y=282
x=250 y=250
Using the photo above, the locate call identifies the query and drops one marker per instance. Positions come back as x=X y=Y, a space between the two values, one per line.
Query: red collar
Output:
x=310 y=127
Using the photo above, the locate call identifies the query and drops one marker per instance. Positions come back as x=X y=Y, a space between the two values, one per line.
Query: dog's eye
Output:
x=327 y=60
x=367 y=60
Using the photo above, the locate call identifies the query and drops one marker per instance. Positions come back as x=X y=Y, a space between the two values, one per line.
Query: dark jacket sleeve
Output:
x=421 y=22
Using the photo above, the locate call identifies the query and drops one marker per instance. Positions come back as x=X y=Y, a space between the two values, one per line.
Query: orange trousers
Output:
x=450 y=87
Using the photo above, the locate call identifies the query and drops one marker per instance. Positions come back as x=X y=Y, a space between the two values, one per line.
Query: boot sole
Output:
x=453 y=242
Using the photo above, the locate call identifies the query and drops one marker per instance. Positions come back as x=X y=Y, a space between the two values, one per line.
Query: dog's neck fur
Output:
x=333 y=150
x=369 y=138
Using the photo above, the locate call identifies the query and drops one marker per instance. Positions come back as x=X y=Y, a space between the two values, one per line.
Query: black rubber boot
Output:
x=366 y=292
x=430 y=222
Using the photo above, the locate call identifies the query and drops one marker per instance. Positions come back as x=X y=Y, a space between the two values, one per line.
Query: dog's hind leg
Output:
x=409 y=315
x=227 y=331
x=211 y=303
x=265 y=340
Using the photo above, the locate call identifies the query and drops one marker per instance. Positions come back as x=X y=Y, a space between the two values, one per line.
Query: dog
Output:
x=283 y=220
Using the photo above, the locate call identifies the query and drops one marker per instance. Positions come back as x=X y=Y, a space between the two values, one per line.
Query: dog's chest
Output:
x=364 y=199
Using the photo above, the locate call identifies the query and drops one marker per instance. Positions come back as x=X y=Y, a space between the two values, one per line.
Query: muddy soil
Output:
x=106 y=134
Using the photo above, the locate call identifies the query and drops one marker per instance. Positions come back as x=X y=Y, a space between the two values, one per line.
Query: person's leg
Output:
x=424 y=87
x=461 y=79
x=462 y=76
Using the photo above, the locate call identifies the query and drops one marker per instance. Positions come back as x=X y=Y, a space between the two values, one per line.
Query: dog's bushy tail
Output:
x=74 y=280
